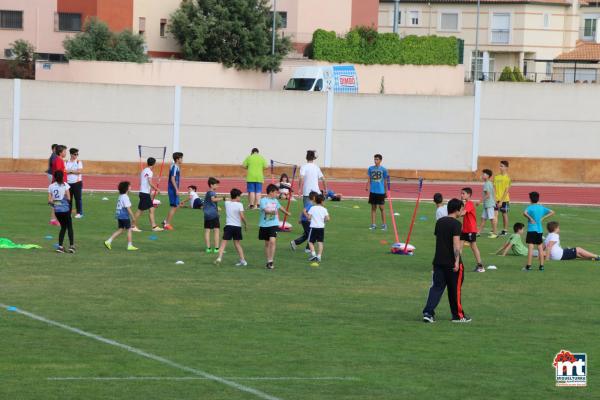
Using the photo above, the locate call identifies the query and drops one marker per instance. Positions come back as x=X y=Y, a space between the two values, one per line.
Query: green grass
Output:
x=357 y=315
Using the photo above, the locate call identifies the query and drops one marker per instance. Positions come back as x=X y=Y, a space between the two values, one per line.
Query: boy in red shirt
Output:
x=469 y=228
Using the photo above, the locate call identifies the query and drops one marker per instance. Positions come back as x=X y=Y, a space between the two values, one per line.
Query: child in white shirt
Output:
x=317 y=215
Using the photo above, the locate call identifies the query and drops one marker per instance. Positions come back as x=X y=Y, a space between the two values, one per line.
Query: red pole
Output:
x=412 y=222
x=159 y=175
x=389 y=196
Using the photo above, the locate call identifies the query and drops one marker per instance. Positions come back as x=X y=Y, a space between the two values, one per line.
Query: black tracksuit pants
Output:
x=304 y=237
x=444 y=276
x=66 y=225
x=76 y=190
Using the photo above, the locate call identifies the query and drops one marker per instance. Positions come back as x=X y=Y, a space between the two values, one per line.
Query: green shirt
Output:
x=518 y=248
x=255 y=163
x=490 y=201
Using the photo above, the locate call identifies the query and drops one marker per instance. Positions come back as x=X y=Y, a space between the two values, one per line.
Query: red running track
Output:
x=550 y=194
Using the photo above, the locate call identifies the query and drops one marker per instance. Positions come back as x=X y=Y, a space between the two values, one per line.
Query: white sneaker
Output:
x=136 y=229
x=307 y=251
x=242 y=263
x=157 y=229
x=79 y=216
x=293 y=245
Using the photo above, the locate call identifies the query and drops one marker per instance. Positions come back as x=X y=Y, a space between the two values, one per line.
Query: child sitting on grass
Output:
x=555 y=252
x=284 y=187
x=514 y=242
x=124 y=216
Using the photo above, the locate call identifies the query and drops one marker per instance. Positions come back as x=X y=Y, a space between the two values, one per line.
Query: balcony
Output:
x=500 y=36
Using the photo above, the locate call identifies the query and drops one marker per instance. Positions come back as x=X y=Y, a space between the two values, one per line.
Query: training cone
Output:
x=398 y=248
x=285 y=227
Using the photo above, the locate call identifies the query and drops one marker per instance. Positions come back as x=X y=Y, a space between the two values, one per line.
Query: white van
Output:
x=336 y=78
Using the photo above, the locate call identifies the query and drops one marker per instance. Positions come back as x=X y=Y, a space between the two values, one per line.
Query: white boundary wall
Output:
x=220 y=126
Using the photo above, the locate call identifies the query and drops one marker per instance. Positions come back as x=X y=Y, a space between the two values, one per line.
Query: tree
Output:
x=234 y=32
x=507 y=75
x=98 y=43
x=518 y=74
x=22 y=65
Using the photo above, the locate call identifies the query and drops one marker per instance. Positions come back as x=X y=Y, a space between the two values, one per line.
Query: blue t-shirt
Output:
x=268 y=220
x=174 y=171
x=307 y=208
x=210 y=207
x=537 y=212
x=378 y=177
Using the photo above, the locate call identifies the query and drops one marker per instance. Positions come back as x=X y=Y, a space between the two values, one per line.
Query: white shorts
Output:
x=488 y=213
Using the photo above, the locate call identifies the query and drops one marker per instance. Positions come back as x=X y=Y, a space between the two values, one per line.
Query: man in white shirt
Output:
x=310 y=174
x=75 y=180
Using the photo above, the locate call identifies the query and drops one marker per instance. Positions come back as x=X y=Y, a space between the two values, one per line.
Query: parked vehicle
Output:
x=336 y=78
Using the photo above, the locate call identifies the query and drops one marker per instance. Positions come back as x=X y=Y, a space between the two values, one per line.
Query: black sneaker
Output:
x=71 y=249
x=313 y=258
x=60 y=249
x=428 y=318
x=503 y=233
x=270 y=265
x=463 y=320
x=527 y=268
x=541 y=268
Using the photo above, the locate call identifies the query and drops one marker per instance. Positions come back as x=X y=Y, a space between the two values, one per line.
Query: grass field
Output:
x=357 y=316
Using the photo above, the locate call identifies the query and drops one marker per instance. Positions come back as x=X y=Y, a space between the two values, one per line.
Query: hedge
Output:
x=367 y=46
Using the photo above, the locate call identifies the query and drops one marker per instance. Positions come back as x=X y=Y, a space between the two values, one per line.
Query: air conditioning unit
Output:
x=9 y=54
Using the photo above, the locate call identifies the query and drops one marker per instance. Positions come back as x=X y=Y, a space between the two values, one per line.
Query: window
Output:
x=589 y=28
x=69 y=22
x=413 y=17
x=281 y=19
x=11 y=19
x=546 y=20
x=163 y=27
x=448 y=21
x=142 y=25
x=548 y=68
x=399 y=18
x=500 y=28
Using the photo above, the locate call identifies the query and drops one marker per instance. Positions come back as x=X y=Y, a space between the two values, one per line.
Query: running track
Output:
x=550 y=194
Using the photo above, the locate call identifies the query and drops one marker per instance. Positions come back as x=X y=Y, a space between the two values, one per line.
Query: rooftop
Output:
x=584 y=51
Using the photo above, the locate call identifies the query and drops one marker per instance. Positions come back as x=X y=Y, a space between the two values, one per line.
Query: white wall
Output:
x=6 y=116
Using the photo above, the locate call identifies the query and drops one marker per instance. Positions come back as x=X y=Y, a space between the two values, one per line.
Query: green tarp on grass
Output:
x=9 y=244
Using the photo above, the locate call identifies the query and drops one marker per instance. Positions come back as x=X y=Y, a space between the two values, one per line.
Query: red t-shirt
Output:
x=469 y=219
x=59 y=165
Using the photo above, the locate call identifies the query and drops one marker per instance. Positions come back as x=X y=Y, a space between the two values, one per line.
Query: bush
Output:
x=22 y=66
x=518 y=74
x=366 y=46
x=507 y=75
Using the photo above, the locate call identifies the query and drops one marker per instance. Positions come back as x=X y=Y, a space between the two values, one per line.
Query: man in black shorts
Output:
x=377 y=187
x=448 y=269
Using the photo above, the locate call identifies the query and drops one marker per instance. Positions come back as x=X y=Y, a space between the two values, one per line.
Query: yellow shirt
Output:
x=502 y=185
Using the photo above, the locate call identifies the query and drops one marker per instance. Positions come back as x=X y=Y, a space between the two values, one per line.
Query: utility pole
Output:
x=396 y=19
x=273 y=39
x=477 y=42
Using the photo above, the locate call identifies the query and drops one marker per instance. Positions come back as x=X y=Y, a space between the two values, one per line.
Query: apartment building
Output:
x=525 y=33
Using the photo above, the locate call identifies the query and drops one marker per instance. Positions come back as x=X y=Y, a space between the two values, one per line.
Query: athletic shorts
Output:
x=569 y=254
x=266 y=233
x=316 y=235
x=534 y=238
x=376 y=199
x=254 y=187
x=212 y=223
x=145 y=201
x=504 y=207
x=198 y=203
x=232 y=232
x=124 y=223
x=173 y=199
x=469 y=237
x=488 y=213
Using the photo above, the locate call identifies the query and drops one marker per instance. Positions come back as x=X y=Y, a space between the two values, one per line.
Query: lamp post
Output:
x=396 y=19
x=477 y=42
x=273 y=38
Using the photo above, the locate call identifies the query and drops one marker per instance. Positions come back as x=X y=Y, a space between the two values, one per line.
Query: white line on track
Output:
x=150 y=356
x=195 y=378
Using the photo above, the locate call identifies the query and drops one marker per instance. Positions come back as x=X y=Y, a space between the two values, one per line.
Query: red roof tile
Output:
x=585 y=51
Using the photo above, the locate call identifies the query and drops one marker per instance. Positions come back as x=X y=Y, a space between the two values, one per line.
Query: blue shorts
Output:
x=254 y=187
x=173 y=199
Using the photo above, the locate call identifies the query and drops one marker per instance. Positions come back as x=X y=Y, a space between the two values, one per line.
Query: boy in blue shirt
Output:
x=535 y=214
x=211 y=215
x=174 y=179
x=305 y=224
x=378 y=177
x=269 y=222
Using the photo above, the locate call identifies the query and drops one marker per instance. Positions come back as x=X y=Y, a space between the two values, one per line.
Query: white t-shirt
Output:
x=122 y=204
x=310 y=173
x=317 y=216
x=57 y=193
x=73 y=178
x=193 y=196
x=441 y=212
x=145 y=177
x=232 y=212
x=556 y=252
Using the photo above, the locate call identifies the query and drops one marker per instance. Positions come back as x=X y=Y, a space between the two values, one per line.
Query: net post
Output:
x=412 y=222
x=389 y=195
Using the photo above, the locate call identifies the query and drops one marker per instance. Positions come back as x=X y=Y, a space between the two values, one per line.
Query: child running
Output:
x=234 y=211
x=124 y=216
x=555 y=252
x=269 y=222
x=317 y=215
x=211 y=215
x=59 y=198
x=305 y=224
x=146 y=187
x=535 y=214
x=489 y=202
x=469 y=228
x=173 y=189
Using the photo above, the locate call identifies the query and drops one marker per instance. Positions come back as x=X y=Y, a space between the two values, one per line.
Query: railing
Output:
x=555 y=77
x=500 y=36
